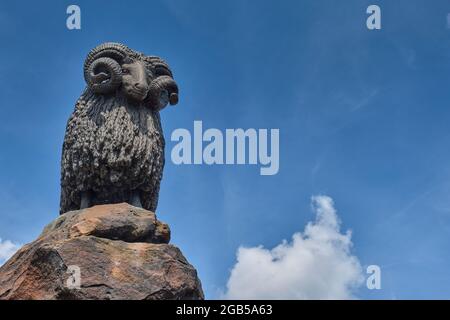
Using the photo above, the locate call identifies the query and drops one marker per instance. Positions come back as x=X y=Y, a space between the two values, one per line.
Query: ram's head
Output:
x=113 y=66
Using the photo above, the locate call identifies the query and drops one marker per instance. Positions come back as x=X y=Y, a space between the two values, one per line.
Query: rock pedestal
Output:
x=104 y=252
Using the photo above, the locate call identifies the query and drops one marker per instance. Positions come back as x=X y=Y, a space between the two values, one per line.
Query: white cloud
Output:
x=317 y=264
x=7 y=249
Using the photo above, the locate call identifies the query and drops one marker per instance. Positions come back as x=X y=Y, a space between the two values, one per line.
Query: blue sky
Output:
x=363 y=118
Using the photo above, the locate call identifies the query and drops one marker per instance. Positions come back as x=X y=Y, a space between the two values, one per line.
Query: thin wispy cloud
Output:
x=357 y=101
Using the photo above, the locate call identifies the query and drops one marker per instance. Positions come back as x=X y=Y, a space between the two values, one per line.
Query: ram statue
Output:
x=113 y=148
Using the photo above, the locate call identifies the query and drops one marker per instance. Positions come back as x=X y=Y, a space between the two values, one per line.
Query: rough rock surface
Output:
x=113 y=147
x=122 y=252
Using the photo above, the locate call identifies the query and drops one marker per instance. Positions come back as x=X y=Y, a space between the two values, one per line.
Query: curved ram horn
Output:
x=102 y=70
x=163 y=90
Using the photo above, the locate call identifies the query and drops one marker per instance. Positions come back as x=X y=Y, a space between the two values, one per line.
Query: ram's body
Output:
x=111 y=148
x=114 y=146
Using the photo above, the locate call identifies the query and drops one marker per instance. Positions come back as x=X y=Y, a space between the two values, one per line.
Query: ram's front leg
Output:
x=86 y=200
x=135 y=200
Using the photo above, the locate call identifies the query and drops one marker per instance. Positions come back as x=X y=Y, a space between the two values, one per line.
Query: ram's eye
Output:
x=125 y=71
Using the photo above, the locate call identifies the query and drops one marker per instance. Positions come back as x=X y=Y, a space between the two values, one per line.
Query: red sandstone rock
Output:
x=122 y=252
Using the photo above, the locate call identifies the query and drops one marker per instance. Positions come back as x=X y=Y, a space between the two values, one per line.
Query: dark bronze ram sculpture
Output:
x=113 y=148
